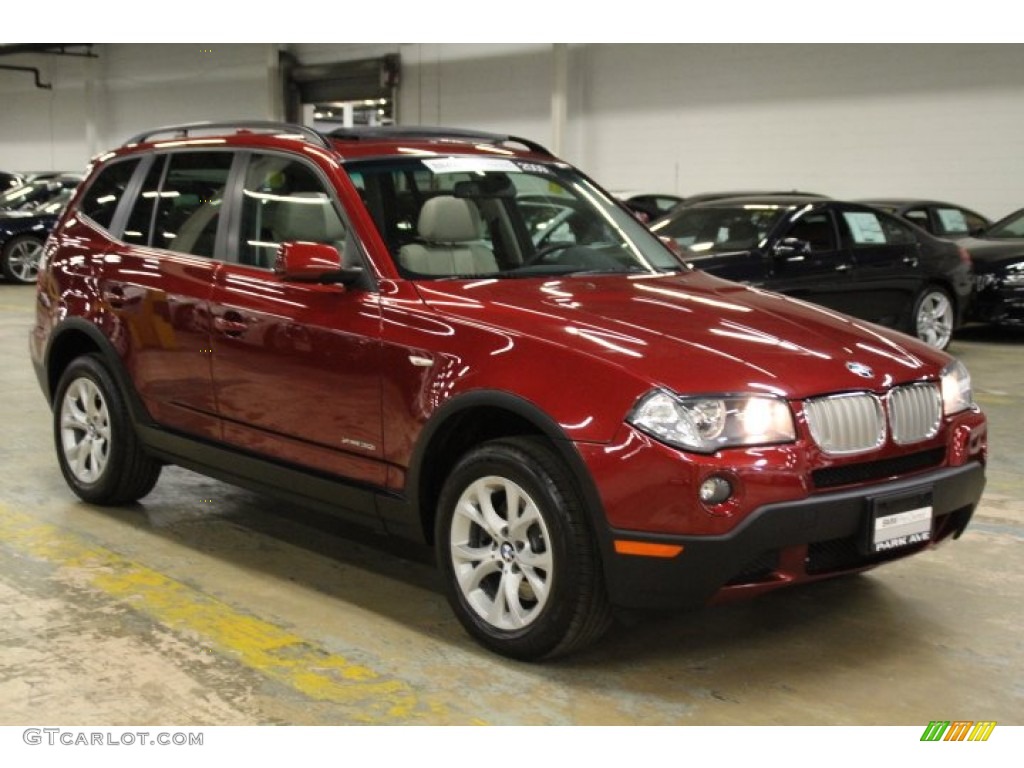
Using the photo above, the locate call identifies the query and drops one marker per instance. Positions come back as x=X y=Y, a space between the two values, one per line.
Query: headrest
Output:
x=307 y=216
x=448 y=219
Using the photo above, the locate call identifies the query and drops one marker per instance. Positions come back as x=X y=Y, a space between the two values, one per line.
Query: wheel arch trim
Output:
x=528 y=412
x=62 y=335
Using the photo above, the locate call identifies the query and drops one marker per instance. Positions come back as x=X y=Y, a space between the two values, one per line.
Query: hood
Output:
x=692 y=332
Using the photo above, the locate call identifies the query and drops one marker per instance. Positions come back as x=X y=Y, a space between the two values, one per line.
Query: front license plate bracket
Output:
x=899 y=520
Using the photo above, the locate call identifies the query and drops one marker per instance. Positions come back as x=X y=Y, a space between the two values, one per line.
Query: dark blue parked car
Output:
x=22 y=234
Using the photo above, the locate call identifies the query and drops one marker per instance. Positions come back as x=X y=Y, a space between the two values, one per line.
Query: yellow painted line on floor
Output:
x=271 y=650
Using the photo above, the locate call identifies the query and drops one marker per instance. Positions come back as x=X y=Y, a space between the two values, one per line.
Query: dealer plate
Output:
x=900 y=520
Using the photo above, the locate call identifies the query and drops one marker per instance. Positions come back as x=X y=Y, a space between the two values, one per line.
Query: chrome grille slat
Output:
x=915 y=411
x=856 y=422
x=846 y=424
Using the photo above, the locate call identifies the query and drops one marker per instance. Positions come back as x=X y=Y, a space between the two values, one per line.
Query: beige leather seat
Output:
x=451 y=229
x=309 y=217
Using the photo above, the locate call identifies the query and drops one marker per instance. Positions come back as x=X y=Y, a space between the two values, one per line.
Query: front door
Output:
x=296 y=366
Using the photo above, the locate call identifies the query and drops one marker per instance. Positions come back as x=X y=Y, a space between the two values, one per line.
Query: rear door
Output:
x=886 y=276
x=820 y=275
x=157 y=279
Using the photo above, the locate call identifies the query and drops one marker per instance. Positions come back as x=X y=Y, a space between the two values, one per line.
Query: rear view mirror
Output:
x=792 y=248
x=491 y=185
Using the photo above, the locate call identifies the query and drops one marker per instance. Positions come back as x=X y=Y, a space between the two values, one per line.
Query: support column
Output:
x=559 y=95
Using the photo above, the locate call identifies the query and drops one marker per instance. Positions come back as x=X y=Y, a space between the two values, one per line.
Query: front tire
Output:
x=20 y=259
x=97 y=448
x=934 y=316
x=519 y=562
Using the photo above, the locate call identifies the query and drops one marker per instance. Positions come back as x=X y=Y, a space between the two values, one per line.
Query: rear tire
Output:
x=518 y=559
x=97 y=448
x=934 y=316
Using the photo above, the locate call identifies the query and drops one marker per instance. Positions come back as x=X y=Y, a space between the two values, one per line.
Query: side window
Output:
x=100 y=202
x=868 y=228
x=920 y=217
x=285 y=200
x=953 y=221
x=816 y=229
x=138 y=229
x=974 y=221
x=189 y=202
x=896 y=232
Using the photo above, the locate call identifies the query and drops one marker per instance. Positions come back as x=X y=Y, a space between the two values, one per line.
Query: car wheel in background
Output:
x=518 y=559
x=20 y=259
x=933 y=318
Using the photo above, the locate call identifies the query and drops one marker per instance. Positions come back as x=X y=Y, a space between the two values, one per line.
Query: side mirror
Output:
x=792 y=248
x=305 y=262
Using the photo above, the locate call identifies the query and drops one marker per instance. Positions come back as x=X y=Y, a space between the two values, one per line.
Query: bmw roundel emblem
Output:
x=860 y=370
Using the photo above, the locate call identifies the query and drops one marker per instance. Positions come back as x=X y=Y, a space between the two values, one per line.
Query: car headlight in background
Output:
x=1014 y=274
x=956 y=388
x=708 y=423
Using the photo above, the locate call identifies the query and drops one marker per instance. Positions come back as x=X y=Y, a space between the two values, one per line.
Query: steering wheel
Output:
x=546 y=251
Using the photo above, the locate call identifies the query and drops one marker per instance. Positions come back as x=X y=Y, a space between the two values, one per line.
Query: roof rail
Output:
x=187 y=129
x=433 y=132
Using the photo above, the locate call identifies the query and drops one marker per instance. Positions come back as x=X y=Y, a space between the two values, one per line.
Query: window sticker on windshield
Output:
x=469 y=165
x=533 y=168
x=952 y=220
x=865 y=228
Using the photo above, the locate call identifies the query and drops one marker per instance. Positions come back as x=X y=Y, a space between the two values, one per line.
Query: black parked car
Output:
x=22 y=234
x=998 y=256
x=844 y=256
x=652 y=206
x=946 y=220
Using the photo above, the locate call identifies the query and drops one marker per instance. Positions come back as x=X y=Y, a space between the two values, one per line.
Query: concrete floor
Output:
x=208 y=605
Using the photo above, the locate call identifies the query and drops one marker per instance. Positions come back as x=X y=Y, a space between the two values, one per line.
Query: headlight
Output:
x=706 y=424
x=956 y=388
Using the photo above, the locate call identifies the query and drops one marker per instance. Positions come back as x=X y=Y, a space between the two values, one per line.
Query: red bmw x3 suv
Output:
x=455 y=337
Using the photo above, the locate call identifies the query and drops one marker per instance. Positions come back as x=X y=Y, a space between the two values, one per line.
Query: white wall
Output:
x=848 y=120
x=98 y=103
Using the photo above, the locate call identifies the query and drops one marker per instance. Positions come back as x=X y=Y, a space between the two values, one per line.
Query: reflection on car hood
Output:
x=678 y=329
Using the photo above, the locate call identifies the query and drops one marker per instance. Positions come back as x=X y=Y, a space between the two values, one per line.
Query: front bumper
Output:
x=785 y=543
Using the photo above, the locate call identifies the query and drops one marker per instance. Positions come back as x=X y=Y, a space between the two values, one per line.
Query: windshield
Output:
x=462 y=217
x=1010 y=227
x=720 y=229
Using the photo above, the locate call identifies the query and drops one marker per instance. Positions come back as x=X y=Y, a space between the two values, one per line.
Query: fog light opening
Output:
x=715 y=490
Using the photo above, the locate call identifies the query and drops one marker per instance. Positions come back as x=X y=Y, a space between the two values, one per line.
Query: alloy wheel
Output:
x=85 y=430
x=500 y=553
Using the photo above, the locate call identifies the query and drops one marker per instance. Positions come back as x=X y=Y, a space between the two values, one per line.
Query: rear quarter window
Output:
x=103 y=196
